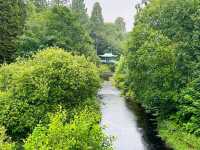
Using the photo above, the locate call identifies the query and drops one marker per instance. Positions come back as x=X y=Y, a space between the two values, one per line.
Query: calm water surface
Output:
x=132 y=127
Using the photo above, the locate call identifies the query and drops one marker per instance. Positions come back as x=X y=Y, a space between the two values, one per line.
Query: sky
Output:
x=116 y=8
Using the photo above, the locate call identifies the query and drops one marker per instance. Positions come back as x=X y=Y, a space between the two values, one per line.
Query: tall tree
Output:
x=58 y=27
x=97 y=17
x=12 y=21
x=78 y=7
x=120 y=23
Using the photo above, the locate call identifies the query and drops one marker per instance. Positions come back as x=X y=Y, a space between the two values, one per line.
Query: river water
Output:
x=128 y=123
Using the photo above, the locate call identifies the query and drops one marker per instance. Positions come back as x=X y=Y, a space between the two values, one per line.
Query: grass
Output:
x=177 y=138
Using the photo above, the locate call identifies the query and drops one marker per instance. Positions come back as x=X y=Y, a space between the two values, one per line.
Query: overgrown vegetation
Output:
x=49 y=77
x=5 y=142
x=33 y=89
x=160 y=68
x=49 y=73
x=56 y=26
x=83 y=132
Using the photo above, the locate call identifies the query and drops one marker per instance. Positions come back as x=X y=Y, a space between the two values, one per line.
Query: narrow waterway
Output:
x=128 y=123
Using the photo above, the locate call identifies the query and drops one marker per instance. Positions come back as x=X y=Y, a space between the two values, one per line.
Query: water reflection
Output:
x=127 y=122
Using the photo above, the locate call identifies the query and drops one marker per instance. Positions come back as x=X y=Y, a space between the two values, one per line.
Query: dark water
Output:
x=132 y=127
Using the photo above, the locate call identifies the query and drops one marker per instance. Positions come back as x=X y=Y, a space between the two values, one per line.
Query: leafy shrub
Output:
x=5 y=141
x=189 y=108
x=120 y=73
x=103 y=68
x=121 y=78
x=177 y=138
x=31 y=88
x=153 y=74
x=83 y=132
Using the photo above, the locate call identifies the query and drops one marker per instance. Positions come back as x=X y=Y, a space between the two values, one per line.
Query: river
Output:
x=128 y=123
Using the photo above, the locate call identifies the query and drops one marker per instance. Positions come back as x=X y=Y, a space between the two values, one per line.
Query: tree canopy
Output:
x=119 y=22
x=78 y=6
x=97 y=19
x=162 y=63
x=12 y=16
x=57 y=27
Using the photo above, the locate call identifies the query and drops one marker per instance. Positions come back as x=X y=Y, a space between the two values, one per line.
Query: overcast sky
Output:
x=116 y=8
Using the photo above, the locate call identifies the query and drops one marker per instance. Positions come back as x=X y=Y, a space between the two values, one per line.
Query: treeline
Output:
x=49 y=75
x=27 y=26
x=160 y=68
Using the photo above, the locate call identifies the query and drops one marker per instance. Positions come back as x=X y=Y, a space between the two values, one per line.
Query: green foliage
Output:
x=119 y=22
x=120 y=73
x=108 y=39
x=153 y=73
x=97 y=20
x=177 y=138
x=161 y=56
x=78 y=7
x=12 y=16
x=58 y=27
x=189 y=108
x=103 y=68
x=163 y=66
x=82 y=132
x=5 y=141
x=177 y=20
x=31 y=88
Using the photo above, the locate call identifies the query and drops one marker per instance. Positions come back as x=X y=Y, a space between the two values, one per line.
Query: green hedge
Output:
x=31 y=88
x=83 y=132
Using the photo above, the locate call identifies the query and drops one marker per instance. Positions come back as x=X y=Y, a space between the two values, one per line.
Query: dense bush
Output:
x=177 y=20
x=163 y=54
x=153 y=72
x=121 y=73
x=177 y=137
x=189 y=107
x=83 y=132
x=5 y=141
x=31 y=88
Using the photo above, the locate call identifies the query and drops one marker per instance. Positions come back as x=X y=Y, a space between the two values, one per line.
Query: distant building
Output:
x=108 y=58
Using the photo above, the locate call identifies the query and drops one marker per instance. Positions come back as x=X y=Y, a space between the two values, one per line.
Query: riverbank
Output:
x=159 y=68
x=128 y=122
x=176 y=137
x=170 y=133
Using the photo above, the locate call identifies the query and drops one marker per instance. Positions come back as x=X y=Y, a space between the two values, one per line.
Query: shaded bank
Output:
x=148 y=126
x=127 y=121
